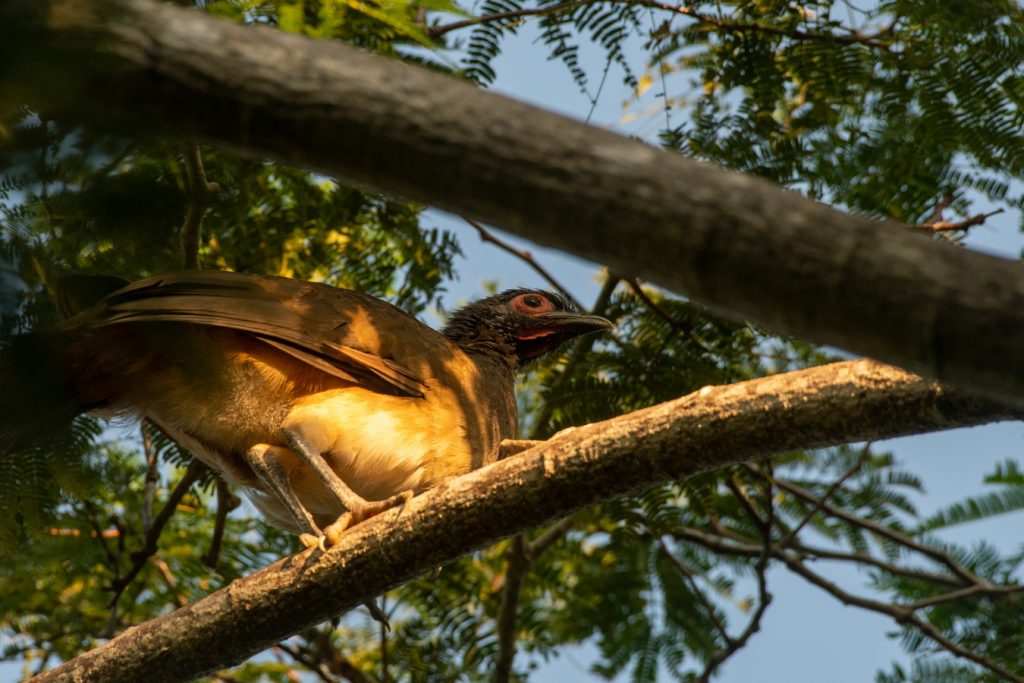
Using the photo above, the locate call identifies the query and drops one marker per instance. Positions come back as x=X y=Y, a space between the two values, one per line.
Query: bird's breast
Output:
x=381 y=445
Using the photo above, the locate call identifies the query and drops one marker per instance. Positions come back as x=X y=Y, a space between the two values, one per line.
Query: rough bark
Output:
x=739 y=244
x=713 y=427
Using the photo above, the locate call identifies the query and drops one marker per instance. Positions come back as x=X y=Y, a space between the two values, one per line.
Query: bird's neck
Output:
x=490 y=351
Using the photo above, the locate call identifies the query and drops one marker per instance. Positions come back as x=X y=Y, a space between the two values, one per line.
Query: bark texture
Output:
x=710 y=428
x=741 y=245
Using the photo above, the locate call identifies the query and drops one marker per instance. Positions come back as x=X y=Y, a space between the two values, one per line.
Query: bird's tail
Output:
x=40 y=388
x=38 y=396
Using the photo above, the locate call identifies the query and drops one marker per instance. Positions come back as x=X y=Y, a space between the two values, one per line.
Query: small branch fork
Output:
x=638 y=290
x=488 y=236
x=962 y=582
x=147 y=553
x=873 y=40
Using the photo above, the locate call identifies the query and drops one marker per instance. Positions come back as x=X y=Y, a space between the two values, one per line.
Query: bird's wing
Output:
x=338 y=331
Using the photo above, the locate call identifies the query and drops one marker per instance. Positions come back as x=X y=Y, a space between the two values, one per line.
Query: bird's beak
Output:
x=564 y=325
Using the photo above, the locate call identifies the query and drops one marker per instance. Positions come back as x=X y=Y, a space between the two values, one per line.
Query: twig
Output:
x=744 y=498
x=306 y=658
x=764 y=598
x=152 y=477
x=201 y=194
x=634 y=284
x=934 y=553
x=336 y=663
x=709 y=606
x=853 y=37
x=441 y=29
x=226 y=502
x=517 y=562
x=487 y=236
x=149 y=547
x=384 y=628
x=548 y=538
x=788 y=538
x=902 y=614
x=954 y=226
x=169 y=580
x=968 y=592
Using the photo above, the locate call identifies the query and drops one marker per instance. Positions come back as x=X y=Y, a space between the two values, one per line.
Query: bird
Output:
x=327 y=405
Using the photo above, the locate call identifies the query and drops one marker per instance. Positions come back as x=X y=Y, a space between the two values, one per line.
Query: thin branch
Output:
x=789 y=537
x=976 y=590
x=548 y=538
x=954 y=226
x=634 y=284
x=902 y=614
x=516 y=563
x=873 y=40
x=487 y=236
x=764 y=598
x=732 y=547
x=152 y=477
x=201 y=194
x=441 y=29
x=226 y=502
x=149 y=545
x=881 y=530
x=385 y=626
x=337 y=664
x=744 y=498
x=172 y=583
x=305 y=658
x=705 y=601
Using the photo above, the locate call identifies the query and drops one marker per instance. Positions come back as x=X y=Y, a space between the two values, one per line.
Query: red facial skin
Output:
x=532 y=304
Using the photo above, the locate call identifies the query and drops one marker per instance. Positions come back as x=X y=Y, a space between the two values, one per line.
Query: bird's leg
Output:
x=357 y=507
x=270 y=471
x=268 y=468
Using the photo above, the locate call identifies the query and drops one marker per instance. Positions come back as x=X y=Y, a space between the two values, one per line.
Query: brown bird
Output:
x=328 y=405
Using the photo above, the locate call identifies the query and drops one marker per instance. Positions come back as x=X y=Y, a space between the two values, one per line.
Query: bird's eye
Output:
x=532 y=301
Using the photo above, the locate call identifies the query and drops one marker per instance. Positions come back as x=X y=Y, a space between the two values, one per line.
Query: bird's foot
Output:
x=362 y=511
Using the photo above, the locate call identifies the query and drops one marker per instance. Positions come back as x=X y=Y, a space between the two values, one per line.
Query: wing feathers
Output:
x=310 y=322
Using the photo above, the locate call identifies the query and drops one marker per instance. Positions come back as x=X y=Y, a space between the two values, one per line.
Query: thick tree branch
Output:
x=736 y=243
x=713 y=427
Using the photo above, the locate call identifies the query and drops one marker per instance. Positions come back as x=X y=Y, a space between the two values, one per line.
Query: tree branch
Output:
x=903 y=615
x=488 y=236
x=933 y=553
x=201 y=194
x=149 y=545
x=764 y=598
x=638 y=289
x=711 y=428
x=226 y=502
x=735 y=243
x=852 y=37
x=516 y=564
x=939 y=225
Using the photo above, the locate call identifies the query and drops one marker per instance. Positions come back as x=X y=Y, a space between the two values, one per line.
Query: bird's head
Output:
x=520 y=324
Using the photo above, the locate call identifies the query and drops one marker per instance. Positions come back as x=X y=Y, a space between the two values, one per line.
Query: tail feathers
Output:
x=38 y=394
